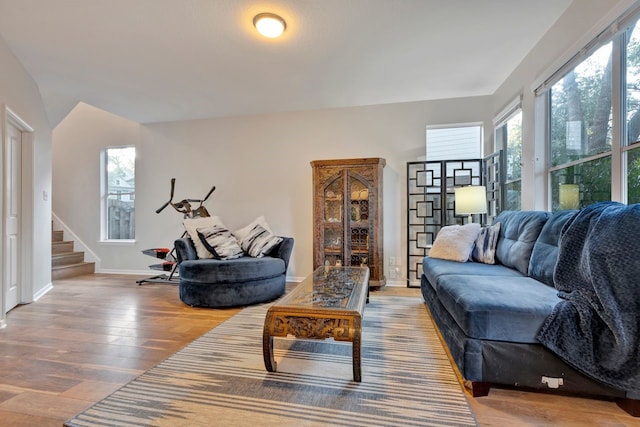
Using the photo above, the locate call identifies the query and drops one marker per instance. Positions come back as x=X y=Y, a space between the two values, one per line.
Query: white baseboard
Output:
x=42 y=292
x=397 y=283
x=132 y=272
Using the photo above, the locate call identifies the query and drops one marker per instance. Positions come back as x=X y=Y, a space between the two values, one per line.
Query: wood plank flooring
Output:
x=92 y=334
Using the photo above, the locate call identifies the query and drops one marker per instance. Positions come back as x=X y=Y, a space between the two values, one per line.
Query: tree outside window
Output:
x=584 y=120
x=581 y=132
x=632 y=113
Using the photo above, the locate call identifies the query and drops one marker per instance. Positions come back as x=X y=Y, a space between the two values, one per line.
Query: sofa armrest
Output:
x=185 y=250
x=283 y=251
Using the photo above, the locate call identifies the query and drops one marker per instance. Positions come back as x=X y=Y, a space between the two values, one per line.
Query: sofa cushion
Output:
x=484 y=249
x=434 y=268
x=241 y=233
x=220 y=242
x=545 y=251
x=259 y=241
x=455 y=242
x=244 y=269
x=192 y=225
x=497 y=308
x=518 y=233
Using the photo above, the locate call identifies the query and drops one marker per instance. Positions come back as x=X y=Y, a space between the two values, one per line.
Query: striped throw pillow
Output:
x=484 y=250
x=220 y=242
x=259 y=241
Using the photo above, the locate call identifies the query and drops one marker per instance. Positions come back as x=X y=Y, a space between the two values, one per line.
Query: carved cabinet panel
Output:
x=347 y=215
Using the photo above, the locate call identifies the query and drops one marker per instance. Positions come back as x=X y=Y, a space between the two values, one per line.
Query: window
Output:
x=581 y=133
x=509 y=139
x=631 y=149
x=118 y=193
x=454 y=142
x=593 y=140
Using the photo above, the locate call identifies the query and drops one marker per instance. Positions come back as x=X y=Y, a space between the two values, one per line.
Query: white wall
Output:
x=19 y=92
x=259 y=164
x=78 y=141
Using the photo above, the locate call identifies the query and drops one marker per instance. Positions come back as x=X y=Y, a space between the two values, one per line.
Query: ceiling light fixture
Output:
x=269 y=24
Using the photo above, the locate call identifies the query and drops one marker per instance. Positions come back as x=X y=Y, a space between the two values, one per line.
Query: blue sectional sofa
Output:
x=489 y=315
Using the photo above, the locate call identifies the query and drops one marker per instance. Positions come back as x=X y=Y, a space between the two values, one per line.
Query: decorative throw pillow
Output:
x=485 y=247
x=220 y=242
x=244 y=231
x=455 y=242
x=259 y=241
x=192 y=225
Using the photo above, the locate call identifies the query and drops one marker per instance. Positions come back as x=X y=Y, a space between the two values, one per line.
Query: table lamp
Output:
x=471 y=200
x=569 y=197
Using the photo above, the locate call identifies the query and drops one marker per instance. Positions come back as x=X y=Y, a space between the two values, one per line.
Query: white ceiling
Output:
x=165 y=60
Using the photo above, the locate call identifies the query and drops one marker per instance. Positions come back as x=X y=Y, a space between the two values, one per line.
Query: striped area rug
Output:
x=220 y=379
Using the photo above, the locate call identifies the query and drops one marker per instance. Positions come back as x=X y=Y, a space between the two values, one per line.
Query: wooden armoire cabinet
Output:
x=347 y=215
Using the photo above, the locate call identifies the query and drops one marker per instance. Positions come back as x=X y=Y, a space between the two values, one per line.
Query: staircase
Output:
x=65 y=262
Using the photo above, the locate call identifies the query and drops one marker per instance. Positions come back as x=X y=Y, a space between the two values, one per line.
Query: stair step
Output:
x=65 y=262
x=72 y=270
x=61 y=247
x=66 y=258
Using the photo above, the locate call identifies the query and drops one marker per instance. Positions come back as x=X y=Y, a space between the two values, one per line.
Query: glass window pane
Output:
x=454 y=143
x=121 y=190
x=581 y=185
x=514 y=196
x=633 y=84
x=514 y=147
x=633 y=176
x=581 y=109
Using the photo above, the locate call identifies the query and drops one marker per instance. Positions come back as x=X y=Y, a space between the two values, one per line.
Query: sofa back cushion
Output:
x=518 y=233
x=545 y=251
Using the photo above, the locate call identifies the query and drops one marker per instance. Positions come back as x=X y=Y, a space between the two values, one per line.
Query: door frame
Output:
x=9 y=117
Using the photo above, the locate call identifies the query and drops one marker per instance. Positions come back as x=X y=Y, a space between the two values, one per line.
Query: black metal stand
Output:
x=162 y=278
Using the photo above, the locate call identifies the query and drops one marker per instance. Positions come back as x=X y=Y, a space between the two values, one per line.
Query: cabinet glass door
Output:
x=333 y=223
x=359 y=224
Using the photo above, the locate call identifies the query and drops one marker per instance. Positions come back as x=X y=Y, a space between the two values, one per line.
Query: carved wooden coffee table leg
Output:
x=267 y=344
x=357 y=347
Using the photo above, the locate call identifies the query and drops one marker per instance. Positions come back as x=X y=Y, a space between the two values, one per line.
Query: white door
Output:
x=13 y=185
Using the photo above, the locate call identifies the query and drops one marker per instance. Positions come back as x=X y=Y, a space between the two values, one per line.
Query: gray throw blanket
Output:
x=596 y=328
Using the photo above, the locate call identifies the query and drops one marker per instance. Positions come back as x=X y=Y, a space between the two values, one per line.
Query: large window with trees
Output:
x=580 y=133
x=118 y=193
x=593 y=130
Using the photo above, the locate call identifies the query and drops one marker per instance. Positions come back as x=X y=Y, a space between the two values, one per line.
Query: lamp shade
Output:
x=471 y=200
x=569 y=197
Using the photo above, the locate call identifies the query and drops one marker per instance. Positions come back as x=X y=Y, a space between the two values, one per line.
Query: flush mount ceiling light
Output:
x=269 y=24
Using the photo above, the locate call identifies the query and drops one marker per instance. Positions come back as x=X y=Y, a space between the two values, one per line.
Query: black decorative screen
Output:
x=494 y=181
x=431 y=204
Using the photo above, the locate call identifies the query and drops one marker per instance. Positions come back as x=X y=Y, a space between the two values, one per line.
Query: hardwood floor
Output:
x=92 y=334
x=86 y=338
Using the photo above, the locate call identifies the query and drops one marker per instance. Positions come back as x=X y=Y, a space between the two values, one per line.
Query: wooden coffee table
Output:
x=327 y=304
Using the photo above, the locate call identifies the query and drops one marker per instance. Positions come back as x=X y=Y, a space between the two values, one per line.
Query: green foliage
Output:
x=633 y=176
